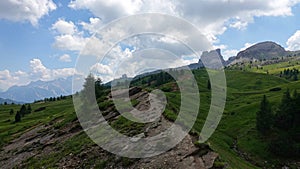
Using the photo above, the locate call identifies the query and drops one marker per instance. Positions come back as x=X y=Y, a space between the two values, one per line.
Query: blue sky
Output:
x=43 y=43
x=267 y=28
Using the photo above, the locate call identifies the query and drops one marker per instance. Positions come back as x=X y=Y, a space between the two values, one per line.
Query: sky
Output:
x=42 y=39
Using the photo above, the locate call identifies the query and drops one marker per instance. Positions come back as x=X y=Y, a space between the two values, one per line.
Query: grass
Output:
x=127 y=127
x=245 y=90
x=73 y=146
x=9 y=130
x=244 y=93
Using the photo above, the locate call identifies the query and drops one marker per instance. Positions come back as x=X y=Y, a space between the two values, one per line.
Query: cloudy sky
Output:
x=41 y=39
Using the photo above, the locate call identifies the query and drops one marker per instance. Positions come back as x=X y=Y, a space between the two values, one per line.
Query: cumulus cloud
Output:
x=227 y=53
x=21 y=11
x=93 y=26
x=68 y=37
x=293 y=42
x=108 y=10
x=64 y=27
x=213 y=17
x=101 y=69
x=65 y=58
x=37 y=72
x=8 y=79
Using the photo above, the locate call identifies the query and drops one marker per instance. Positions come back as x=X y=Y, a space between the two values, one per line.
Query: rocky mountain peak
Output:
x=264 y=50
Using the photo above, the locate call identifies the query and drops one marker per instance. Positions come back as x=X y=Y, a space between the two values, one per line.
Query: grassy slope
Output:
x=9 y=130
x=275 y=68
x=245 y=90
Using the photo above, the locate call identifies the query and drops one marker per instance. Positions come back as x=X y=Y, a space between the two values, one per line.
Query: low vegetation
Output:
x=251 y=134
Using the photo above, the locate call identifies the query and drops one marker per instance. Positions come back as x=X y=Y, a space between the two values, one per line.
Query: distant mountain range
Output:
x=8 y=101
x=38 y=90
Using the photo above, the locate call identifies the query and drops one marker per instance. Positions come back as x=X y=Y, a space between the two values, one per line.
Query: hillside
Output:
x=54 y=137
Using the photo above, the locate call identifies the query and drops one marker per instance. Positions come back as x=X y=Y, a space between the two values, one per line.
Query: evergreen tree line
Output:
x=52 y=99
x=282 y=126
x=22 y=112
x=162 y=78
x=5 y=103
x=290 y=74
x=159 y=78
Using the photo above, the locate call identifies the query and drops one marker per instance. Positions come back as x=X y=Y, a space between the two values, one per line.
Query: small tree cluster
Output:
x=290 y=74
x=283 y=124
x=22 y=112
x=162 y=78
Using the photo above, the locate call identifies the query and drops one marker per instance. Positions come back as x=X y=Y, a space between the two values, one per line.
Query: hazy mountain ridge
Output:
x=8 y=101
x=39 y=90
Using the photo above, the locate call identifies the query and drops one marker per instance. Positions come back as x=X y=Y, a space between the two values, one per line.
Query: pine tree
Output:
x=295 y=78
x=18 y=117
x=29 y=109
x=98 y=88
x=88 y=91
x=285 y=116
x=264 y=117
x=208 y=85
x=23 y=110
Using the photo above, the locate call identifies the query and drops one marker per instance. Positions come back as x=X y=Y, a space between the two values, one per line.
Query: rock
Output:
x=209 y=159
x=212 y=59
x=137 y=137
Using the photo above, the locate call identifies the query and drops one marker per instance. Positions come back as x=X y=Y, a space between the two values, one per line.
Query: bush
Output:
x=40 y=109
x=275 y=89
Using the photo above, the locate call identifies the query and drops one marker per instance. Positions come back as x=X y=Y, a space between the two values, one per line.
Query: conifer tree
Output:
x=208 y=85
x=29 y=109
x=23 y=110
x=264 y=116
x=18 y=117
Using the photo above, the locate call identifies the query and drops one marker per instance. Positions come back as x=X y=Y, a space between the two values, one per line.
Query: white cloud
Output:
x=108 y=9
x=293 y=42
x=40 y=72
x=5 y=74
x=64 y=27
x=101 y=69
x=69 y=42
x=69 y=37
x=65 y=58
x=8 y=79
x=20 y=11
x=213 y=17
x=227 y=53
x=247 y=45
x=94 y=25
